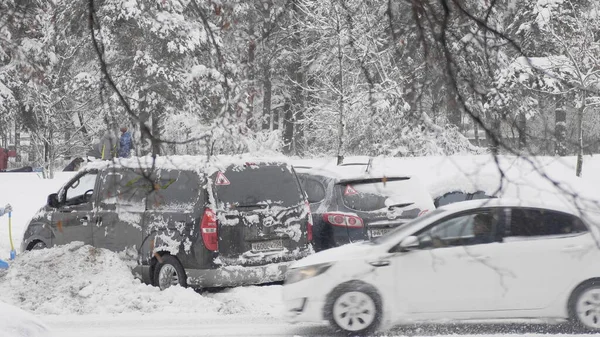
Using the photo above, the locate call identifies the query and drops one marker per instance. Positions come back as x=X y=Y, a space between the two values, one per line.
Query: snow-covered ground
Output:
x=78 y=290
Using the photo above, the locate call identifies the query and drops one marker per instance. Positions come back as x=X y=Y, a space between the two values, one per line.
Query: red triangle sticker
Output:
x=221 y=179
x=350 y=190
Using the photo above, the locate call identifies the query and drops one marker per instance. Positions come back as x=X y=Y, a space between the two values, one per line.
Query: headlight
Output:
x=299 y=274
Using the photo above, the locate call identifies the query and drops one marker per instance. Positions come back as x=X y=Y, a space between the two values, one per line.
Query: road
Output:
x=171 y=325
x=174 y=325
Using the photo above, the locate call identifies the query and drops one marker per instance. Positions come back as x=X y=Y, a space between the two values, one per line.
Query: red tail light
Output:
x=344 y=220
x=309 y=226
x=208 y=228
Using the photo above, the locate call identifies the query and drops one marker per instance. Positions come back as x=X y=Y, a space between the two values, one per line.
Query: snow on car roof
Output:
x=186 y=162
x=508 y=202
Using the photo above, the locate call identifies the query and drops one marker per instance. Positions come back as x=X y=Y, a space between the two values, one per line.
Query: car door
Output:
x=120 y=210
x=449 y=272
x=543 y=252
x=73 y=219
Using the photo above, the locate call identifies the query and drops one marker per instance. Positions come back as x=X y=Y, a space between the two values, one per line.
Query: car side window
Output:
x=175 y=190
x=450 y=197
x=532 y=223
x=314 y=189
x=466 y=229
x=127 y=188
x=81 y=190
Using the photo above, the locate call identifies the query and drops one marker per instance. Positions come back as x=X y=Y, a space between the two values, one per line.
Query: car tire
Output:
x=584 y=306
x=354 y=309
x=36 y=245
x=169 y=272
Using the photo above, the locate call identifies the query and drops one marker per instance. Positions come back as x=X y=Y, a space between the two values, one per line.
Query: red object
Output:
x=208 y=228
x=309 y=228
x=4 y=155
x=338 y=219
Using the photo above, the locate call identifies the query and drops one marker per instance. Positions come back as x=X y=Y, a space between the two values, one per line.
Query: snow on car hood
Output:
x=345 y=252
x=19 y=323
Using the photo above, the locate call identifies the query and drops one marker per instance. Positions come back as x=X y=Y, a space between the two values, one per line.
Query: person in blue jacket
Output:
x=125 y=143
x=5 y=209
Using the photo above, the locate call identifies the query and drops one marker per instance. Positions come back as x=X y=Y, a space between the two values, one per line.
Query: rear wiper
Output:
x=400 y=205
x=252 y=205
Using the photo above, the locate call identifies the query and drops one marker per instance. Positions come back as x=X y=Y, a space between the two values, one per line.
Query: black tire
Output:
x=169 y=272
x=36 y=245
x=361 y=320
x=584 y=307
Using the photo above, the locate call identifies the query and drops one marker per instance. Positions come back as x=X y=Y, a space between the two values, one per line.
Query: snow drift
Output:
x=80 y=279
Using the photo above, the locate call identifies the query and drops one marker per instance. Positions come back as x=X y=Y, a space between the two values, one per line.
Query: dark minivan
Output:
x=187 y=220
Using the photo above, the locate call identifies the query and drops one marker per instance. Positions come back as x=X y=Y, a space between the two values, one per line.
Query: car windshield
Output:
x=409 y=226
x=253 y=186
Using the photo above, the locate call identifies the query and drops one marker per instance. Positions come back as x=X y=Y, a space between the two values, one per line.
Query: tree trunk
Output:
x=454 y=113
x=340 y=156
x=145 y=137
x=560 y=132
x=268 y=123
x=494 y=136
x=580 y=140
x=288 y=128
x=157 y=130
x=522 y=130
x=298 y=98
x=18 y=142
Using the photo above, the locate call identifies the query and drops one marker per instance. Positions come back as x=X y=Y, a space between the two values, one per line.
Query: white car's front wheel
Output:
x=354 y=308
x=584 y=306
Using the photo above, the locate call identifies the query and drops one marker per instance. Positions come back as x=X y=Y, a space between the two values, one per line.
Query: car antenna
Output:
x=369 y=165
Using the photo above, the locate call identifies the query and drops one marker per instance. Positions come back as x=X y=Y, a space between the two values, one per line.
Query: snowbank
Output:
x=80 y=279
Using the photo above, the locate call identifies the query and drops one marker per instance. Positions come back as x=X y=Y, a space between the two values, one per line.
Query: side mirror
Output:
x=409 y=243
x=53 y=200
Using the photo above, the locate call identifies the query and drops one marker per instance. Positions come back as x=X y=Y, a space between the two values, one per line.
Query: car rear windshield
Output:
x=252 y=186
x=374 y=194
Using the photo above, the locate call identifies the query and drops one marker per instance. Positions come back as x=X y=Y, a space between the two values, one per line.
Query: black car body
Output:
x=353 y=207
x=216 y=223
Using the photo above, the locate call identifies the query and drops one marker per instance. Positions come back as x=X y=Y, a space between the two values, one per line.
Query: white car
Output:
x=474 y=260
x=19 y=323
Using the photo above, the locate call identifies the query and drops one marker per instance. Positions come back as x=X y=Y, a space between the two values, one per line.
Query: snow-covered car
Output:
x=191 y=221
x=472 y=260
x=19 y=323
x=350 y=205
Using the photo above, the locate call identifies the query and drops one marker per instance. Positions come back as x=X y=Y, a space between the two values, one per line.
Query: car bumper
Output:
x=304 y=301
x=233 y=276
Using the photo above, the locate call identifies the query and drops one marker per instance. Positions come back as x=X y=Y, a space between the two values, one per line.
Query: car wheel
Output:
x=354 y=308
x=584 y=306
x=36 y=245
x=169 y=272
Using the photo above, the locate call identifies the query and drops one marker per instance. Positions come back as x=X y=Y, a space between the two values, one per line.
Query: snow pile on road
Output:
x=255 y=300
x=80 y=279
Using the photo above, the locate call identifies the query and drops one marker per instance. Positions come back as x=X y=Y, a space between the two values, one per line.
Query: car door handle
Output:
x=574 y=248
x=380 y=263
x=480 y=257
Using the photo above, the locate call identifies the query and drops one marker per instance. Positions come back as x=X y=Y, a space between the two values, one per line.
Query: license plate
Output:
x=267 y=245
x=379 y=232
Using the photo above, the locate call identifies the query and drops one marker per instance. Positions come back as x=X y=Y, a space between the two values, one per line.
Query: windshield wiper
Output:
x=252 y=205
x=390 y=207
